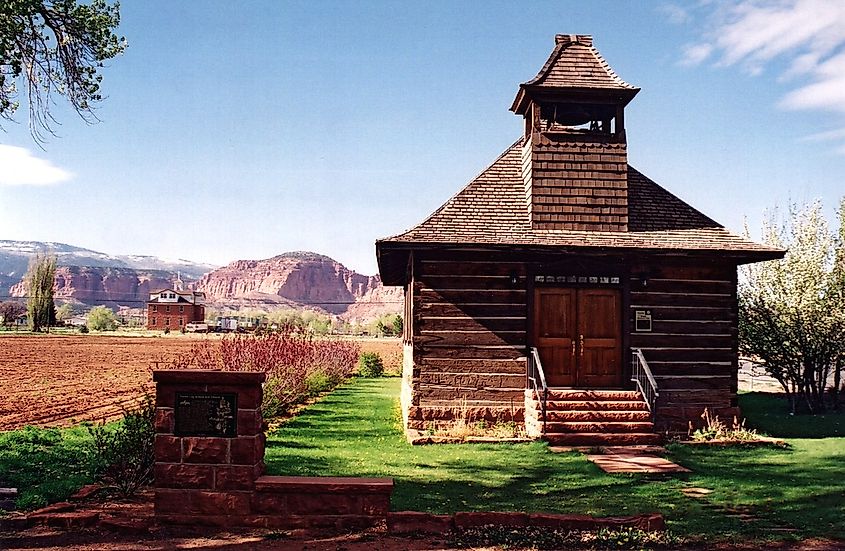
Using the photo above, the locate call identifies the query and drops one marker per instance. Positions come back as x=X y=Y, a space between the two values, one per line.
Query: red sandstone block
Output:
x=208 y=377
x=324 y=504
x=563 y=522
x=205 y=450
x=324 y=484
x=258 y=470
x=70 y=521
x=473 y=519
x=269 y=504
x=260 y=440
x=59 y=507
x=375 y=504
x=195 y=520
x=168 y=448
x=126 y=525
x=220 y=503
x=242 y=451
x=180 y=475
x=249 y=422
x=164 y=420
x=234 y=478
x=85 y=492
x=171 y=501
x=413 y=522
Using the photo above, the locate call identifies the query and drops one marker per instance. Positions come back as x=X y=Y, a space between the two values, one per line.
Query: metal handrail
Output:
x=641 y=374
x=537 y=378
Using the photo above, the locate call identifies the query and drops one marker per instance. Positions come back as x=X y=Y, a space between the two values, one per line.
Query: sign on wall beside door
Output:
x=642 y=321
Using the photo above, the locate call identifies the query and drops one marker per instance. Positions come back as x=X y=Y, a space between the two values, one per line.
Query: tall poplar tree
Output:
x=39 y=292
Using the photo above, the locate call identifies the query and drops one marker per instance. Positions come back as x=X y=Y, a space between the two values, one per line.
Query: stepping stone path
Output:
x=635 y=459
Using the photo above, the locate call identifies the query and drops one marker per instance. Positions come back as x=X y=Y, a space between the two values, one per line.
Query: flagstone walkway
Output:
x=621 y=459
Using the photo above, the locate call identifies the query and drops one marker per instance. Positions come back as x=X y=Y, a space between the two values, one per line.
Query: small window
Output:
x=167 y=308
x=166 y=321
x=181 y=320
x=155 y=308
x=181 y=309
x=154 y=322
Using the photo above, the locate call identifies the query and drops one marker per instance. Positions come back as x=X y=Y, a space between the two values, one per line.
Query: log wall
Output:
x=468 y=343
x=692 y=348
x=465 y=353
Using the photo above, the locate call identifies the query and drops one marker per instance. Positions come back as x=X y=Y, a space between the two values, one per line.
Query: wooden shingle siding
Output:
x=577 y=186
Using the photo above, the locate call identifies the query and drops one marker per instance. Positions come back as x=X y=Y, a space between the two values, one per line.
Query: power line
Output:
x=240 y=299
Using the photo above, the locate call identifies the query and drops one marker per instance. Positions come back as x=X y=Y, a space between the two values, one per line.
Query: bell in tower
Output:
x=575 y=161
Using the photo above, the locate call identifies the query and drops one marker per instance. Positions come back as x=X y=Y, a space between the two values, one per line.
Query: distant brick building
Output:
x=172 y=309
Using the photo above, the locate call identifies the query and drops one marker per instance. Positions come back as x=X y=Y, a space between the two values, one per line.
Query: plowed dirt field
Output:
x=62 y=380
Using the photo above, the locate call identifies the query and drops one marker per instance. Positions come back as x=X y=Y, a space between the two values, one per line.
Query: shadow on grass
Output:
x=356 y=432
x=769 y=413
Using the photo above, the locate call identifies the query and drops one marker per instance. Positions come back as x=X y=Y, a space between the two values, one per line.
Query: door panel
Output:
x=554 y=334
x=577 y=333
x=599 y=330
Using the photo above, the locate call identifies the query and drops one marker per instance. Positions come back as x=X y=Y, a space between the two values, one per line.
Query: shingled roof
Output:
x=493 y=210
x=574 y=64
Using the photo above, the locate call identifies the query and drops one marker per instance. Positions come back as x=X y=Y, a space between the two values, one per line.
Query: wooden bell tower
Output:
x=574 y=157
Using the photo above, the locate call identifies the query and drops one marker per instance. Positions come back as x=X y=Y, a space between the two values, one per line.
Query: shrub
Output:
x=124 y=454
x=716 y=429
x=83 y=329
x=370 y=365
x=101 y=318
x=297 y=365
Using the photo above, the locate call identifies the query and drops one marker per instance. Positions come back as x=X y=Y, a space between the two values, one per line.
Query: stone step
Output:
x=602 y=438
x=598 y=426
x=598 y=415
x=593 y=395
x=597 y=405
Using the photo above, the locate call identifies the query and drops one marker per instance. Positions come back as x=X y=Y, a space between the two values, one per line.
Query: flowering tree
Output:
x=792 y=311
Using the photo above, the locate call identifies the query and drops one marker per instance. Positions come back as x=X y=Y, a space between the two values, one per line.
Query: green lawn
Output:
x=356 y=432
x=46 y=465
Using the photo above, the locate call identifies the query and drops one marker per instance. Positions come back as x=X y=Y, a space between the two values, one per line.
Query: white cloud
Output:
x=19 y=167
x=696 y=53
x=808 y=35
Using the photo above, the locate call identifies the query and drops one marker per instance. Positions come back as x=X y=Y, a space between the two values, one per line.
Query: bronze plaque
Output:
x=206 y=414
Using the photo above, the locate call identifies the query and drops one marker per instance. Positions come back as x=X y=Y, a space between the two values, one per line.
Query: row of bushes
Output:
x=297 y=365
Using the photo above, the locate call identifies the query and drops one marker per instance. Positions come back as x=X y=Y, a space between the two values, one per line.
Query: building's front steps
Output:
x=591 y=418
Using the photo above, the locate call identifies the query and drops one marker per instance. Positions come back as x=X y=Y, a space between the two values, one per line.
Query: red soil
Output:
x=61 y=380
x=51 y=380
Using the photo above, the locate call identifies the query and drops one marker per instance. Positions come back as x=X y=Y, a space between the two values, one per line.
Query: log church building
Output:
x=562 y=288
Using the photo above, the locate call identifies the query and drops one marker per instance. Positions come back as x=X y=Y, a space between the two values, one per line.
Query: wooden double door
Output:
x=578 y=334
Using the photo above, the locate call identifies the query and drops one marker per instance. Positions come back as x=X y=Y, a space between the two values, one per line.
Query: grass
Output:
x=769 y=414
x=46 y=465
x=355 y=432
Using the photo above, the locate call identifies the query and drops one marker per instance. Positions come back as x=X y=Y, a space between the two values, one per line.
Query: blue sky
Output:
x=237 y=130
